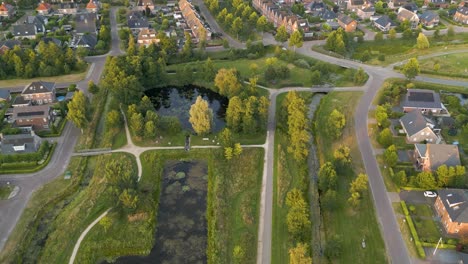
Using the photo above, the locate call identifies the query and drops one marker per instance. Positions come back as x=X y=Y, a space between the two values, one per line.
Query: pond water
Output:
x=181 y=230
x=176 y=101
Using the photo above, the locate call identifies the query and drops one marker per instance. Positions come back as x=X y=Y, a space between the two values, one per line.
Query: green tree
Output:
x=227 y=82
x=360 y=184
x=316 y=77
x=300 y=254
x=239 y=254
x=106 y=223
x=113 y=119
x=92 y=88
x=390 y=156
x=237 y=26
x=360 y=77
x=226 y=138
x=78 y=109
x=208 y=70
x=378 y=36
x=334 y=247
x=281 y=34
x=436 y=34
x=187 y=48
x=297 y=126
x=129 y=199
x=342 y=155
x=145 y=105
x=296 y=40
x=400 y=178
x=201 y=116
x=150 y=130
x=137 y=124
x=411 y=69
x=237 y=150
x=328 y=201
x=336 y=123
x=392 y=34
x=234 y=113
x=132 y=49
x=385 y=138
x=381 y=116
x=425 y=180
x=228 y=153
x=450 y=32
x=422 y=41
x=327 y=177
x=262 y=23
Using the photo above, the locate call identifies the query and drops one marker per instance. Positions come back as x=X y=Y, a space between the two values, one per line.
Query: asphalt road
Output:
x=10 y=210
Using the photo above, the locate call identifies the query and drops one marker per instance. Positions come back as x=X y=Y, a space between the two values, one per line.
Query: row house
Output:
x=461 y=15
x=192 y=18
x=67 y=8
x=279 y=18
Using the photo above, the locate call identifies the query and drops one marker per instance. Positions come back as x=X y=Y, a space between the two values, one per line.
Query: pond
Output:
x=181 y=231
x=176 y=101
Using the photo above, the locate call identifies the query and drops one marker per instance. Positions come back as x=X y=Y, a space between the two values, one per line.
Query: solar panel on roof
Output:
x=421 y=97
x=31 y=113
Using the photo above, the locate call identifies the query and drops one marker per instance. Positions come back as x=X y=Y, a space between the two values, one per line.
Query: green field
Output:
x=452 y=64
x=5 y=191
x=73 y=77
x=351 y=225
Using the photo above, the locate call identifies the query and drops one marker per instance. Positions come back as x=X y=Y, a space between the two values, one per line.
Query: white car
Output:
x=430 y=194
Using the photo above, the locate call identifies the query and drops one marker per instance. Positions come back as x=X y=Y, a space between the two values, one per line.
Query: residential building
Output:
x=280 y=17
x=452 y=207
x=429 y=19
x=192 y=18
x=315 y=6
x=21 y=102
x=354 y=5
x=8 y=45
x=327 y=15
x=44 y=8
x=137 y=22
x=39 y=117
x=67 y=8
x=92 y=6
x=406 y=15
x=436 y=3
x=384 y=23
x=394 y=4
x=347 y=23
x=426 y=101
x=429 y=157
x=147 y=37
x=20 y=143
x=88 y=41
x=39 y=92
x=461 y=15
x=411 y=6
x=7 y=11
x=85 y=23
x=38 y=21
x=365 y=12
x=419 y=128
x=142 y=4
x=5 y=95
x=24 y=31
x=48 y=40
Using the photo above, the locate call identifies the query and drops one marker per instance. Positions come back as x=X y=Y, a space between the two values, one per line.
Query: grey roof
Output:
x=137 y=23
x=456 y=204
x=31 y=111
x=421 y=98
x=429 y=16
x=38 y=87
x=19 y=101
x=57 y=42
x=384 y=21
x=327 y=14
x=316 y=5
x=69 y=5
x=413 y=122
x=85 y=23
x=10 y=43
x=369 y=9
x=463 y=10
x=29 y=141
x=421 y=149
x=411 y=6
x=85 y=40
x=440 y=154
x=357 y=2
x=24 y=30
x=345 y=19
x=4 y=94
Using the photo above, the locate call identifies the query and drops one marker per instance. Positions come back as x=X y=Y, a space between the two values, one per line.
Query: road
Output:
x=10 y=210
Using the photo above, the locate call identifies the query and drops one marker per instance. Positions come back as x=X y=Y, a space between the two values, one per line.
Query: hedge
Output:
x=417 y=242
x=441 y=245
x=63 y=122
x=30 y=170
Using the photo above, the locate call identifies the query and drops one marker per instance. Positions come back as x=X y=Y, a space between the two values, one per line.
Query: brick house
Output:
x=426 y=101
x=39 y=117
x=461 y=15
x=429 y=157
x=147 y=37
x=418 y=128
x=279 y=17
x=193 y=21
x=44 y=8
x=39 y=92
x=6 y=11
x=452 y=207
x=354 y=5
x=436 y=3
x=347 y=23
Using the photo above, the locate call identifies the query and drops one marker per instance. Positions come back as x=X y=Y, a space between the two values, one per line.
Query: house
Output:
x=20 y=143
x=280 y=17
x=192 y=18
x=411 y=6
x=429 y=19
x=394 y=4
x=142 y=4
x=406 y=15
x=24 y=31
x=84 y=41
x=426 y=101
x=315 y=6
x=8 y=45
x=21 y=102
x=85 y=23
x=44 y=8
x=429 y=157
x=7 y=11
x=39 y=117
x=418 y=128
x=146 y=37
x=384 y=23
x=354 y=5
x=347 y=23
x=67 y=8
x=48 y=40
x=92 y=6
x=452 y=207
x=39 y=92
x=327 y=15
x=436 y=3
x=136 y=22
x=461 y=15
x=5 y=95
x=365 y=12
x=38 y=21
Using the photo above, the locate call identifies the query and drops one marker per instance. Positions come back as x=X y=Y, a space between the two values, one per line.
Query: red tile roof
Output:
x=91 y=5
x=43 y=6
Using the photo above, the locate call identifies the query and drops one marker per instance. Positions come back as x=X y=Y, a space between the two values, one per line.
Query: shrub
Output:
x=301 y=63
x=417 y=242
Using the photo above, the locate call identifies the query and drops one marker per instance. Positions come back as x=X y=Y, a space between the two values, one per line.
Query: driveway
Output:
x=416 y=197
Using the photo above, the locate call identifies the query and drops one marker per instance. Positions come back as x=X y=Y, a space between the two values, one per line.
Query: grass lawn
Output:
x=389 y=184
x=423 y=210
x=406 y=234
x=427 y=229
x=5 y=191
x=74 y=77
x=449 y=64
x=351 y=225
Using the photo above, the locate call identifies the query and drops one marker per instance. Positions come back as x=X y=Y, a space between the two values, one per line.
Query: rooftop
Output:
x=421 y=98
x=39 y=87
x=413 y=122
x=456 y=203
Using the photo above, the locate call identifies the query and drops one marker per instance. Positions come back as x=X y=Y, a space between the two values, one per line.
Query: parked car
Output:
x=430 y=194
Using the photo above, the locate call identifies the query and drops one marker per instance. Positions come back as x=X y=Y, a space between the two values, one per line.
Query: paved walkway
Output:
x=394 y=197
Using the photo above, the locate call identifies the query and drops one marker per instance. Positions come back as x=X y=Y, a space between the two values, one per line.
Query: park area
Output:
x=451 y=65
